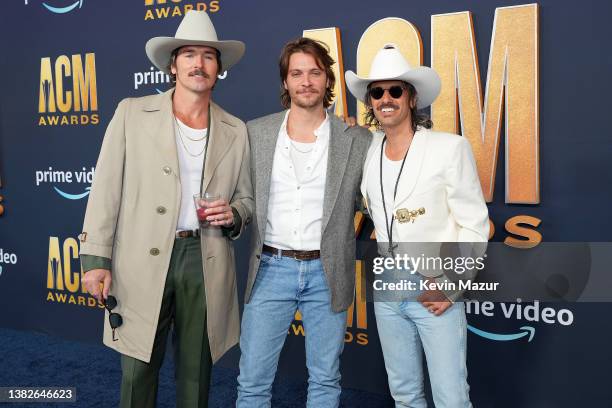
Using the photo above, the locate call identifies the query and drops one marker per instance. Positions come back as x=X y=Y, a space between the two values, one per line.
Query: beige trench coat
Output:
x=133 y=210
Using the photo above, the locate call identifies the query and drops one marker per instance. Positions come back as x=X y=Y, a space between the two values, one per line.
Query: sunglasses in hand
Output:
x=114 y=319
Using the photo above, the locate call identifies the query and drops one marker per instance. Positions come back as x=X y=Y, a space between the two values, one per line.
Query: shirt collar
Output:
x=322 y=130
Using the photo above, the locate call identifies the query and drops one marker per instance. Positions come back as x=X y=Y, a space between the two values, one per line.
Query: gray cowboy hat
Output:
x=195 y=29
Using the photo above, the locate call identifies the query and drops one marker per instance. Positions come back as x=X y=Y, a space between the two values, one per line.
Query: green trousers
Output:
x=184 y=307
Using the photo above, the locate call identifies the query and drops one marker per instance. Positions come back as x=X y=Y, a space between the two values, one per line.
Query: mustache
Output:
x=199 y=72
x=388 y=105
x=309 y=89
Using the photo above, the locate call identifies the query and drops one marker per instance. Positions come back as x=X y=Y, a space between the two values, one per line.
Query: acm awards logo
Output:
x=162 y=9
x=513 y=54
x=64 y=276
x=68 y=93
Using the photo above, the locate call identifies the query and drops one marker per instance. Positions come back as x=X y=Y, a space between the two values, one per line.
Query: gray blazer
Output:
x=347 y=151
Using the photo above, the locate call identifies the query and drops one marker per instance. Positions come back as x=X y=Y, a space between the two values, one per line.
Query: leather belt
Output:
x=188 y=234
x=300 y=255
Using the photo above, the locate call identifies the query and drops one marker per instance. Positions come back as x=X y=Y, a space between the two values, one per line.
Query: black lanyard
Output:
x=388 y=225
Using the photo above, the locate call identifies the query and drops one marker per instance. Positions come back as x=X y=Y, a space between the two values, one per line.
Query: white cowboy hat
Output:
x=195 y=29
x=389 y=65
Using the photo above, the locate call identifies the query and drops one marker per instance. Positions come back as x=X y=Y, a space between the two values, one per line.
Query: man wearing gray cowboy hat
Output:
x=419 y=186
x=142 y=240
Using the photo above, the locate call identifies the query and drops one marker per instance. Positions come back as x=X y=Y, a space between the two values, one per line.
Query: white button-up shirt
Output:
x=295 y=204
x=190 y=171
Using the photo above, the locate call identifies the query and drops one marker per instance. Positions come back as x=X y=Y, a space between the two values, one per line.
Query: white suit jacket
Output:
x=440 y=176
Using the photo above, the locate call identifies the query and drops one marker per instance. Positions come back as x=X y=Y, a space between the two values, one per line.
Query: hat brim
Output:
x=159 y=50
x=424 y=79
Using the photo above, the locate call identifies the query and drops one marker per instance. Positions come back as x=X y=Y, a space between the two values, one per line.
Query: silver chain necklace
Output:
x=298 y=150
x=193 y=140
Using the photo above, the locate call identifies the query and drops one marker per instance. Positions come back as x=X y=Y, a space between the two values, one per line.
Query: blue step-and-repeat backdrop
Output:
x=527 y=84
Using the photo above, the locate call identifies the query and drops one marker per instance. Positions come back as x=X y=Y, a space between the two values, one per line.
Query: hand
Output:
x=350 y=121
x=98 y=283
x=435 y=301
x=219 y=213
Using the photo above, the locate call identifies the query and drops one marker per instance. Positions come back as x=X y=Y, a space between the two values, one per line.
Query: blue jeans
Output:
x=405 y=330
x=284 y=285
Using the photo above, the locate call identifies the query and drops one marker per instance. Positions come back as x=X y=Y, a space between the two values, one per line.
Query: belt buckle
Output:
x=187 y=234
x=302 y=255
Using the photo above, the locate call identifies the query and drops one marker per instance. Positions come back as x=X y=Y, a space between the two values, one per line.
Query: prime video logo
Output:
x=531 y=312
x=6 y=258
x=54 y=8
x=157 y=78
x=54 y=177
x=151 y=77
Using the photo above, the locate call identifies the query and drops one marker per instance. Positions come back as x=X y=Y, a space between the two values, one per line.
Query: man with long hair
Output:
x=307 y=167
x=419 y=186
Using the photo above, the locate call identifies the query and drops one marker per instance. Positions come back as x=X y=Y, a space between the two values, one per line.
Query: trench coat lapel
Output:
x=160 y=126
x=221 y=138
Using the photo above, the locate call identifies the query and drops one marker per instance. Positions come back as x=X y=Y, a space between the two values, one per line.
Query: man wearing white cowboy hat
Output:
x=142 y=240
x=419 y=186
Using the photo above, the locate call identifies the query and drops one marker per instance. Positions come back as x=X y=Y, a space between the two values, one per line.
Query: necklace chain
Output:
x=180 y=132
x=298 y=150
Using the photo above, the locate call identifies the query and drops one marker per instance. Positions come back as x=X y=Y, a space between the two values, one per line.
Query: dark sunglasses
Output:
x=395 y=91
x=114 y=319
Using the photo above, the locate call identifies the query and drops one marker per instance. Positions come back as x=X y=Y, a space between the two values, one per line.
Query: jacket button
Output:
x=258 y=256
x=161 y=210
x=167 y=170
x=154 y=251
